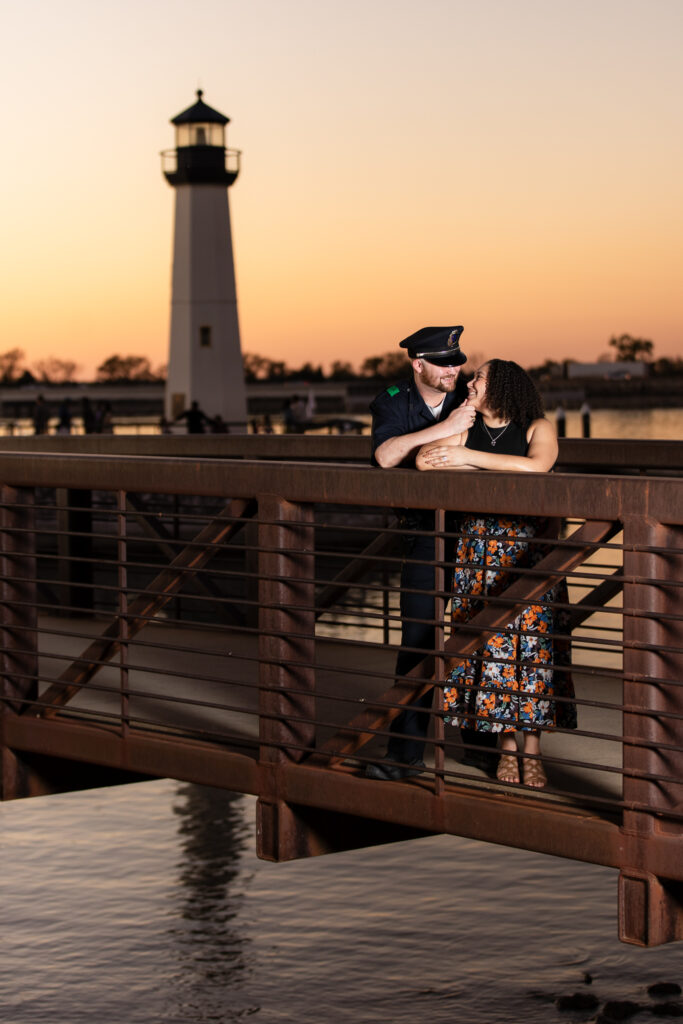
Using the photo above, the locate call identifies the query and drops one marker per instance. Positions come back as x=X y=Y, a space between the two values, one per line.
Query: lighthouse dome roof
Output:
x=200 y=112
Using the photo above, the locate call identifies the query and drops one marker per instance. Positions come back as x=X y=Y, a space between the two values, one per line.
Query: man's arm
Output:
x=394 y=450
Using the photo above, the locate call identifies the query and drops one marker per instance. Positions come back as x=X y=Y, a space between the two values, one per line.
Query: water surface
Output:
x=147 y=903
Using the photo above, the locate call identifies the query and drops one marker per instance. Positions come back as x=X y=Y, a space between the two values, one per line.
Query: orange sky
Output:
x=515 y=167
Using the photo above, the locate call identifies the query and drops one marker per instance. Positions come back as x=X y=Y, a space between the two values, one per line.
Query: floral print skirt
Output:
x=520 y=679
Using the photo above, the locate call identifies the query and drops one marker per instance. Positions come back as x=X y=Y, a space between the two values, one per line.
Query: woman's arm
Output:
x=541 y=456
x=431 y=456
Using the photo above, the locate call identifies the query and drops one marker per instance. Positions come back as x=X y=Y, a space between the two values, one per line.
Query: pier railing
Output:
x=234 y=620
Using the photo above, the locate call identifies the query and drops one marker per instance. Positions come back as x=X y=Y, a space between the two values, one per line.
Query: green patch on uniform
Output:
x=393 y=390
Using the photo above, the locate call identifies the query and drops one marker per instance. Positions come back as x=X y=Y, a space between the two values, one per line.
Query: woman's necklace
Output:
x=498 y=436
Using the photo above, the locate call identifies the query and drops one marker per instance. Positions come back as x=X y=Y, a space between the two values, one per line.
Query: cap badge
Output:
x=453 y=338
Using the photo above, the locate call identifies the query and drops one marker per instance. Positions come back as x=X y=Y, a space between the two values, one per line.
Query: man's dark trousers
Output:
x=409 y=729
x=419 y=606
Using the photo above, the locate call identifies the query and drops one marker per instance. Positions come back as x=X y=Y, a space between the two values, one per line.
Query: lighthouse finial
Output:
x=200 y=93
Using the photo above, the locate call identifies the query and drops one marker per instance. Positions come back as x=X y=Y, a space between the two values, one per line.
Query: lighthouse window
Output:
x=205 y=337
x=204 y=134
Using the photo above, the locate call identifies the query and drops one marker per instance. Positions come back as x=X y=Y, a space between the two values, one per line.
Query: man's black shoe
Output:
x=394 y=772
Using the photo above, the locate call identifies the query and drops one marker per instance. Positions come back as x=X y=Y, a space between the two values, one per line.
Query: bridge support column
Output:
x=289 y=831
x=18 y=636
x=651 y=907
x=286 y=662
x=19 y=657
x=282 y=834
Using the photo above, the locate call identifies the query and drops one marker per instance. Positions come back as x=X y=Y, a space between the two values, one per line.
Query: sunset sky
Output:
x=512 y=165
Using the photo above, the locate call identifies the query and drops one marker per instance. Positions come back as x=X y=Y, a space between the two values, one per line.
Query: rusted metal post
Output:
x=19 y=655
x=386 y=602
x=286 y=634
x=124 y=631
x=250 y=576
x=650 y=906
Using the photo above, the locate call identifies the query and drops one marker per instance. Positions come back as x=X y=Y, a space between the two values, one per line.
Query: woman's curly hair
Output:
x=511 y=394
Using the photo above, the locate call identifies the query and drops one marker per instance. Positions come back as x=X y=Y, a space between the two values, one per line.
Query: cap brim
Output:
x=457 y=359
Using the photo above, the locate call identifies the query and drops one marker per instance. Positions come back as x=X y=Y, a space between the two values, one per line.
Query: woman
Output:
x=512 y=682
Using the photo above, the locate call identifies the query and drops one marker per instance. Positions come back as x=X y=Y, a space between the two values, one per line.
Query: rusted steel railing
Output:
x=576 y=454
x=235 y=622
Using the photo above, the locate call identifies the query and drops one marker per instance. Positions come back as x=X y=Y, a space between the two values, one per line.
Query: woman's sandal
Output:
x=508 y=768
x=534 y=774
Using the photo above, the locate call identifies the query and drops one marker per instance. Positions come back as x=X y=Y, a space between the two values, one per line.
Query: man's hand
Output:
x=461 y=419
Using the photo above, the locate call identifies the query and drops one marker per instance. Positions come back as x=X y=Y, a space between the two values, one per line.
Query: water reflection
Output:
x=211 y=947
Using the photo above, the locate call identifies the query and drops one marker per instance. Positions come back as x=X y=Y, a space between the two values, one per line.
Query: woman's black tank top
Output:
x=510 y=440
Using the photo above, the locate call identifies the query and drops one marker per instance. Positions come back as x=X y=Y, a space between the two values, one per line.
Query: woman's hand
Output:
x=443 y=456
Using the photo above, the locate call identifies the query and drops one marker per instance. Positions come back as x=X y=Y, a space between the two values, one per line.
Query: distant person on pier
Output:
x=64 y=417
x=40 y=416
x=103 y=419
x=429 y=407
x=195 y=418
x=519 y=680
x=218 y=425
x=87 y=416
x=295 y=417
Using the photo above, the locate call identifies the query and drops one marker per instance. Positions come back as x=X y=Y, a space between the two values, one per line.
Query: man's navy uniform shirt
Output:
x=400 y=409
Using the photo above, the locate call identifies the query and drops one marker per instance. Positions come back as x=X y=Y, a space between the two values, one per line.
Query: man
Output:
x=196 y=418
x=431 y=406
x=40 y=416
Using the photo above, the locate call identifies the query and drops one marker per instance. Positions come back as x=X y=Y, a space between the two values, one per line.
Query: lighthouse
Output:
x=205 y=359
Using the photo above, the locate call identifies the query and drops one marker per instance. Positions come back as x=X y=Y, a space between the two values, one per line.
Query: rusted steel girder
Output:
x=523 y=822
x=19 y=658
x=286 y=628
x=286 y=634
x=157 y=532
x=357 y=567
x=159 y=592
x=651 y=904
x=597 y=597
x=151 y=754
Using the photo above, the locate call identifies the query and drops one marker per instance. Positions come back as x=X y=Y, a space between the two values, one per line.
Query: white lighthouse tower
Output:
x=205 y=360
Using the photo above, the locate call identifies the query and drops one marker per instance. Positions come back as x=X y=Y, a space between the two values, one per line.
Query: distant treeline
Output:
x=118 y=369
x=114 y=370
